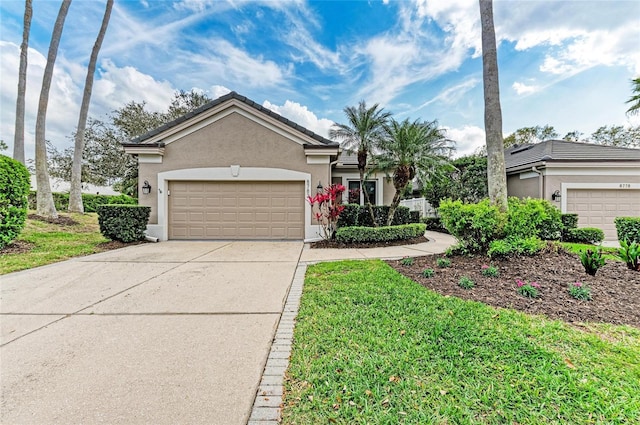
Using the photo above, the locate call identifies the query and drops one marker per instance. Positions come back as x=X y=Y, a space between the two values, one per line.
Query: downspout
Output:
x=540 y=182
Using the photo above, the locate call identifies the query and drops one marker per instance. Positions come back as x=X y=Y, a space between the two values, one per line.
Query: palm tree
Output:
x=496 y=173
x=411 y=149
x=75 y=193
x=18 y=138
x=361 y=135
x=635 y=99
x=44 y=200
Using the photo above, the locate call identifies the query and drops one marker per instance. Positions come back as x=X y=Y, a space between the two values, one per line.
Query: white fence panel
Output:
x=419 y=204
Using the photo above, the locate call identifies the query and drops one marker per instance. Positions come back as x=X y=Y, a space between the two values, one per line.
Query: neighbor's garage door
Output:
x=236 y=210
x=599 y=207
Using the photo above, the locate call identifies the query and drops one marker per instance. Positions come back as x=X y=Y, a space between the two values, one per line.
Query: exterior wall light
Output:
x=319 y=188
x=146 y=188
x=555 y=196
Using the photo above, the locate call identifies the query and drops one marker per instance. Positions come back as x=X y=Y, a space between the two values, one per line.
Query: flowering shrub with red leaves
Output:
x=326 y=210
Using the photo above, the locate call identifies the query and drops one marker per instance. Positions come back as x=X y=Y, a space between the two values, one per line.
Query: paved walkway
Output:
x=175 y=332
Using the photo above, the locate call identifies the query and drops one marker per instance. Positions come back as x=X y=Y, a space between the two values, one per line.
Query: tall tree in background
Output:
x=75 y=194
x=44 y=200
x=496 y=172
x=18 y=138
x=526 y=135
x=634 y=109
x=361 y=134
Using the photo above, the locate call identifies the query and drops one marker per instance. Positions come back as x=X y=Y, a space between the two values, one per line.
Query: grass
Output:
x=372 y=346
x=608 y=253
x=53 y=243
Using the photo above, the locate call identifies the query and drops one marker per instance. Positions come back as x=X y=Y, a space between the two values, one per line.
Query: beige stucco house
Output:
x=597 y=182
x=233 y=169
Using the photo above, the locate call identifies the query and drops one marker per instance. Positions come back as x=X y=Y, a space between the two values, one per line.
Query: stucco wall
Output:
x=232 y=140
x=386 y=184
x=523 y=188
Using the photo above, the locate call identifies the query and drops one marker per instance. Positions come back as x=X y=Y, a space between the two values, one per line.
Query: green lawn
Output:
x=52 y=243
x=373 y=347
x=608 y=252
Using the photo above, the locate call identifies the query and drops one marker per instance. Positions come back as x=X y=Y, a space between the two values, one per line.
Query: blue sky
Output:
x=563 y=63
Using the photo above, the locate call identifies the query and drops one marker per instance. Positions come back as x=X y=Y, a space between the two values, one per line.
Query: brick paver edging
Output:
x=267 y=405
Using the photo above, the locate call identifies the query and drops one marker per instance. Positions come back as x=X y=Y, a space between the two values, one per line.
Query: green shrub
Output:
x=515 y=246
x=434 y=224
x=628 y=228
x=474 y=225
x=407 y=261
x=126 y=223
x=466 y=283
x=14 y=189
x=590 y=235
x=428 y=273
x=443 y=263
x=89 y=201
x=489 y=271
x=580 y=291
x=349 y=215
x=381 y=212
x=592 y=260
x=569 y=221
x=360 y=234
x=630 y=254
x=533 y=217
x=414 y=216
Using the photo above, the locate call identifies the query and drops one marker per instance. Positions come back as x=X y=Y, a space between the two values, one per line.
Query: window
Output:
x=355 y=195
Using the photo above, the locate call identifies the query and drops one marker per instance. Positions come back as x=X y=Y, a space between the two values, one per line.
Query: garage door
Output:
x=236 y=210
x=599 y=207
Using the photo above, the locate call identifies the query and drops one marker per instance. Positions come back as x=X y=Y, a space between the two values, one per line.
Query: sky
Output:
x=568 y=64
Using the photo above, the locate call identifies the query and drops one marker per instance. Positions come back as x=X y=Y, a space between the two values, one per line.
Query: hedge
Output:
x=125 y=223
x=434 y=224
x=14 y=188
x=474 y=225
x=590 y=235
x=628 y=229
x=89 y=201
x=358 y=215
x=361 y=234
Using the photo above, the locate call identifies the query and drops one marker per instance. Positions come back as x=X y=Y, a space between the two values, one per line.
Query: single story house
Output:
x=596 y=182
x=233 y=169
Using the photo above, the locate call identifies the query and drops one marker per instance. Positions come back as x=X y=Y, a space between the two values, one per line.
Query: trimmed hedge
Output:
x=474 y=225
x=515 y=246
x=628 y=229
x=414 y=216
x=125 y=223
x=360 y=234
x=590 y=235
x=89 y=201
x=14 y=188
x=358 y=215
x=434 y=224
x=532 y=217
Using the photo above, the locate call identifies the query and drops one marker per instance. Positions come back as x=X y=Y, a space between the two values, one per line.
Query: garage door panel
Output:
x=236 y=210
x=599 y=207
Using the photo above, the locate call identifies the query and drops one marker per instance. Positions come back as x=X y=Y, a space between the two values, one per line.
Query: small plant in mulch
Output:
x=489 y=271
x=592 y=260
x=443 y=263
x=580 y=291
x=407 y=261
x=428 y=273
x=629 y=252
x=528 y=289
x=466 y=283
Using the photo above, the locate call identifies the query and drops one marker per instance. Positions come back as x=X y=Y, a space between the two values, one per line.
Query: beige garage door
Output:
x=236 y=210
x=599 y=207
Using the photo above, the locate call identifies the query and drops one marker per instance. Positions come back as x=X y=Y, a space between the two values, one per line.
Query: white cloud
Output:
x=218 y=91
x=468 y=138
x=524 y=89
x=452 y=94
x=301 y=115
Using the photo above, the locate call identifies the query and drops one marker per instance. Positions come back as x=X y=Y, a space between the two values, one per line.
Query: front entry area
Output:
x=236 y=210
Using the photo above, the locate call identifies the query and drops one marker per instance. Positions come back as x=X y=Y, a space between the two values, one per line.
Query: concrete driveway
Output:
x=175 y=332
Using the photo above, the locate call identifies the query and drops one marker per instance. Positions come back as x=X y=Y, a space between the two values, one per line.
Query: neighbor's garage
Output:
x=236 y=210
x=599 y=207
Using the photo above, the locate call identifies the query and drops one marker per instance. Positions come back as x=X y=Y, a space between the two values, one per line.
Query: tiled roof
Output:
x=562 y=150
x=246 y=101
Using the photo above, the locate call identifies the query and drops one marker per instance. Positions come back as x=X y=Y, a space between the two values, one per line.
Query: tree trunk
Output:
x=362 y=165
x=496 y=173
x=44 y=199
x=401 y=179
x=18 y=138
x=75 y=194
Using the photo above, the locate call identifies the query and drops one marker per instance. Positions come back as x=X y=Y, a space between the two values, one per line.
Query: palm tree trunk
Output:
x=75 y=194
x=496 y=174
x=44 y=199
x=362 y=165
x=18 y=138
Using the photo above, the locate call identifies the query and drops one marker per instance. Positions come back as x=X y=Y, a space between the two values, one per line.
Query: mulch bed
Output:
x=106 y=246
x=336 y=244
x=17 y=247
x=615 y=289
x=61 y=220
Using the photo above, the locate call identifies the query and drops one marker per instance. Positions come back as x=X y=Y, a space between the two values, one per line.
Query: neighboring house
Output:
x=233 y=169
x=597 y=182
